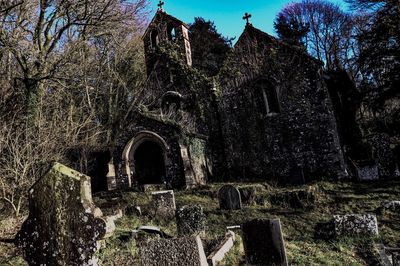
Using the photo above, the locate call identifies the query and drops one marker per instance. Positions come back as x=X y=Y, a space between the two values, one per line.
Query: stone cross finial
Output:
x=161 y=5
x=247 y=17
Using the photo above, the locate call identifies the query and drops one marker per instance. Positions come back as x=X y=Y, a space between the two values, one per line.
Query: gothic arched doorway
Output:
x=149 y=163
x=146 y=159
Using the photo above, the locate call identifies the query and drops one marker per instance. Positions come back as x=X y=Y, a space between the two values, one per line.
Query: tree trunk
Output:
x=34 y=92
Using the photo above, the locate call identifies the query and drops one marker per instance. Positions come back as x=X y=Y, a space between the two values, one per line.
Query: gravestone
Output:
x=229 y=198
x=392 y=206
x=219 y=252
x=263 y=242
x=164 y=203
x=63 y=225
x=367 y=170
x=190 y=220
x=186 y=251
x=356 y=224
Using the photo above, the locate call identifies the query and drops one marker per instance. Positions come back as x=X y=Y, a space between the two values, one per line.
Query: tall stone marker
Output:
x=191 y=220
x=229 y=198
x=263 y=242
x=64 y=225
x=186 y=251
x=164 y=203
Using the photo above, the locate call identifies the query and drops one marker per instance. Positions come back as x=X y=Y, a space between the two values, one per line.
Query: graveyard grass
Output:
x=304 y=212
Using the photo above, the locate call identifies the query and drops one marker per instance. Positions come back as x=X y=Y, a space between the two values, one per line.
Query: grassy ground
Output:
x=305 y=213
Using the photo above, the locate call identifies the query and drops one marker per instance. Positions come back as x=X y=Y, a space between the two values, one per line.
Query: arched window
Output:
x=171 y=32
x=270 y=97
x=171 y=103
x=154 y=38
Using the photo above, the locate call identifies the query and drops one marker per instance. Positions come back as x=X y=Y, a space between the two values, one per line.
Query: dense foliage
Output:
x=291 y=30
x=209 y=47
x=69 y=73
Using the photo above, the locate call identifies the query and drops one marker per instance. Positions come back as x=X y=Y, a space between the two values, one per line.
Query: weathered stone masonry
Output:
x=301 y=133
x=266 y=113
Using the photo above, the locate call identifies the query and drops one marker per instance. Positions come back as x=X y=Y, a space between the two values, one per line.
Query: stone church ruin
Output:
x=267 y=114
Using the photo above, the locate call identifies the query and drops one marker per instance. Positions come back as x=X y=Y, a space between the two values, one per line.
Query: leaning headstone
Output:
x=263 y=242
x=64 y=225
x=153 y=230
x=164 y=203
x=190 y=220
x=229 y=198
x=355 y=224
x=186 y=251
x=388 y=256
x=384 y=258
x=219 y=252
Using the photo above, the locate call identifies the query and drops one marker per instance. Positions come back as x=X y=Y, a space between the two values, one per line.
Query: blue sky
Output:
x=227 y=14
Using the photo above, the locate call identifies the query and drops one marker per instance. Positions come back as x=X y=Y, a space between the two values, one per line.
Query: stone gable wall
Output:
x=303 y=134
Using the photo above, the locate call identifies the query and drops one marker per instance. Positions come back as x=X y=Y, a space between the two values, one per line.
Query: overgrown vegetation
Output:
x=209 y=47
x=309 y=239
x=70 y=72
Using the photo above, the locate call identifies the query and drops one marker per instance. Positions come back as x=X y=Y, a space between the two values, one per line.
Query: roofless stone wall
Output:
x=266 y=138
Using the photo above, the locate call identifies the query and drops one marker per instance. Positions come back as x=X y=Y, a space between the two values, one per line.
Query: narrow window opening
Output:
x=270 y=98
x=154 y=38
x=171 y=32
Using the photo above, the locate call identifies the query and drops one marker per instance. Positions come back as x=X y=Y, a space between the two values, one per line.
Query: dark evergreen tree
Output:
x=379 y=63
x=291 y=30
x=379 y=43
x=209 y=47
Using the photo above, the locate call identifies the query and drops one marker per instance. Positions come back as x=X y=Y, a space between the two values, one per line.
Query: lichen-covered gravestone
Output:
x=164 y=203
x=64 y=225
x=190 y=220
x=229 y=198
x=356 y=224
x=367 y=171
x=186 y=251
x=392 y=206
x=263 y=242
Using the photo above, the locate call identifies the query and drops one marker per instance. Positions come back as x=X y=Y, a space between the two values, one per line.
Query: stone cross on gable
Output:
x=247 y=17
x=161 y=5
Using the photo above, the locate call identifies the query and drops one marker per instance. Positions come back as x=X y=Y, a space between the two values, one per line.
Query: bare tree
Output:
x=36 y=33
x=73 y=69
x=330 y=30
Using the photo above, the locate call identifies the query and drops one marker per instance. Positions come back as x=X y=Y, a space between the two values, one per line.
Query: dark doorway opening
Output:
x=98 y=170
x=149 y=163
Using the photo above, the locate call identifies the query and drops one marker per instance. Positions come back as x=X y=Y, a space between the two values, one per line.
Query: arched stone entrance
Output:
x=146 y=159
x=149 y=163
